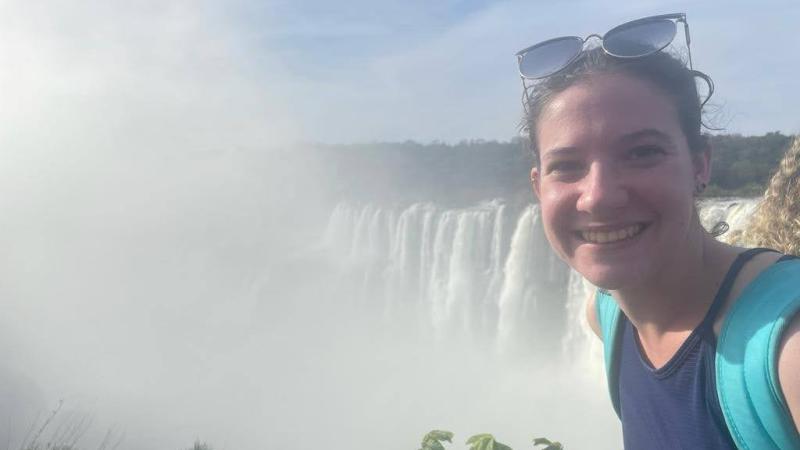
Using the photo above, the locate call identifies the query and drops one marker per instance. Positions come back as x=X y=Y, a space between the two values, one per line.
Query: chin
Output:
x=613 y=267
x=609 y=278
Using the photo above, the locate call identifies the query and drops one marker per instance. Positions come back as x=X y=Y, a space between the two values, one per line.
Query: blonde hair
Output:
x=775 y=223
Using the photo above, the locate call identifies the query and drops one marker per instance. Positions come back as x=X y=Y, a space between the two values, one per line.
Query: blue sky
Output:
x=445 y=70
x=246 y=72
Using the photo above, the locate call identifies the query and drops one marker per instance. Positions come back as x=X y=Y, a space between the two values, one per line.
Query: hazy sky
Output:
x=364 y=70
x=137 y=241
x=244 y=72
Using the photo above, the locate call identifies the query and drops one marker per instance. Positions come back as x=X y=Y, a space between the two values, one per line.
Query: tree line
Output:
x=475 y=170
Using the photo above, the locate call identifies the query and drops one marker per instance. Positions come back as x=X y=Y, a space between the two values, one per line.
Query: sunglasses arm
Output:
x=688 y=38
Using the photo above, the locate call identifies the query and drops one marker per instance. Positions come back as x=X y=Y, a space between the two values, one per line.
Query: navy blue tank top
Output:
x=676 y=406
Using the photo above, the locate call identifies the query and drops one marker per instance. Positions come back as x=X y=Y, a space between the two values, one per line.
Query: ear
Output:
x=535 y=181
x=702 y=165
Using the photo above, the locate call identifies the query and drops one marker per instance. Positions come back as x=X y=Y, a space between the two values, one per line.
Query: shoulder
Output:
x=789 y=363
x=789 y=368
x=766 y=324
x=749 y=272
x=602 y=312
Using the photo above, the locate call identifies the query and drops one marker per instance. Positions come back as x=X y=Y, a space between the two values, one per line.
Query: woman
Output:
x=776 y=221
x=620 y=159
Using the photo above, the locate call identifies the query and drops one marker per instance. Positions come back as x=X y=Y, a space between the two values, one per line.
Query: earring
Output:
x=699 y=188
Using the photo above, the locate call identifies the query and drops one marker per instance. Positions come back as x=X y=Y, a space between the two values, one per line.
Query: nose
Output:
x=602 y=191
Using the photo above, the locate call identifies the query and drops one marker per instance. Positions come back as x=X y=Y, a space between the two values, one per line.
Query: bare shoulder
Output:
x=789 y=368
x=749 y=272
x=591 y=315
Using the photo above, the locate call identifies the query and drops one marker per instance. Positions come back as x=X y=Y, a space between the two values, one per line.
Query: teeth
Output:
x=604 y=237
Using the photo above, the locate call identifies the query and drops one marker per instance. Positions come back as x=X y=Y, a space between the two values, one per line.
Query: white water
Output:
x=479 y=296
x=469 y=270
x=481 y=270
x=486 y=276
x=391 y=322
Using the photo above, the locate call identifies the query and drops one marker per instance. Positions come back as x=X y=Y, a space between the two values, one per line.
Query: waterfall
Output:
x=485 y=270
x=734 y=211
x=449 y=263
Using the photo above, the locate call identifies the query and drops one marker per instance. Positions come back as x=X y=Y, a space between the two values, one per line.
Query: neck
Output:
x=679 y=297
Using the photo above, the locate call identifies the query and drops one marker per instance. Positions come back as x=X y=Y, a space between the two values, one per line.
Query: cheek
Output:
x=677 y=193
x=557 y=209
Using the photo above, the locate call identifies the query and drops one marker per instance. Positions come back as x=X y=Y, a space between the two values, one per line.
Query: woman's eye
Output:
x=644 y=152
x=563 y=167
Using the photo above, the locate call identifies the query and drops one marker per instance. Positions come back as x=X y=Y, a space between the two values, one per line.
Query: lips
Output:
x=608 y=236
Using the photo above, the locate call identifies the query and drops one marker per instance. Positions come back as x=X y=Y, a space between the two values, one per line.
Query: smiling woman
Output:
x=614 y=145
x=620 y=159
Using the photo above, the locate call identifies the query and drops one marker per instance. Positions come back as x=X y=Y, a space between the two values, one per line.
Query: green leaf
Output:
x=431 y=440
x=432 y=445
x=439 y=435
x=551 y=445
x=485 y=441
x=479 y=437
x=477 y=442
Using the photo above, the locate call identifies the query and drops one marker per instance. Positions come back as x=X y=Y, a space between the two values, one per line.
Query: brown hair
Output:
x=664 y=71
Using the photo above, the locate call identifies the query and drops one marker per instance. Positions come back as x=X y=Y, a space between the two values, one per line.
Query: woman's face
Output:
x=616 y=180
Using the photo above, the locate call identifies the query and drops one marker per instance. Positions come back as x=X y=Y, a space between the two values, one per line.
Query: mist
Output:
x=148 y=191
x=177 y=266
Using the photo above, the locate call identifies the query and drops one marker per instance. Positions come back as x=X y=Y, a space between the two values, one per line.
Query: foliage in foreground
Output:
x=433 y=441
x=549 y=445
x=200 y=446
x=58 y=431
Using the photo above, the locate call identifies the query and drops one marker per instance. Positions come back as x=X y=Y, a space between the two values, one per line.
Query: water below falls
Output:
x=485 y=277
x=362 y=333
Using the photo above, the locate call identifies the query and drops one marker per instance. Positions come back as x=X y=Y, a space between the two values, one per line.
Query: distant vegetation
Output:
x=472 y=171
x=742 y=165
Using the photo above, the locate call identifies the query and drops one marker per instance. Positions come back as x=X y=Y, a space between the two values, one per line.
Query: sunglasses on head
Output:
x=635 y=39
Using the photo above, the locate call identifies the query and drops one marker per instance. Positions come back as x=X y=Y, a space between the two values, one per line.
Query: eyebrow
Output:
x=645 y=133
x=559 y=151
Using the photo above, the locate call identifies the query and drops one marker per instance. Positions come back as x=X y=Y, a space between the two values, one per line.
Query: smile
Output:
x=608 y=237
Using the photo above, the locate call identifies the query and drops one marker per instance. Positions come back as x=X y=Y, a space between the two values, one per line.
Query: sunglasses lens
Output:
x=639 y=39
x=549 y=57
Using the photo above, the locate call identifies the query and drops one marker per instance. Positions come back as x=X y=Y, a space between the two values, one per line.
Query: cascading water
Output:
x=467 y=271
x=406 y=319
x=734 y=211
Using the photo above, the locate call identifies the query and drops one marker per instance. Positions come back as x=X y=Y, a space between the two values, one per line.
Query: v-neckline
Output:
x=706 y=324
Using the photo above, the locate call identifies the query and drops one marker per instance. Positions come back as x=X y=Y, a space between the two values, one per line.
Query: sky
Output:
x=365 y=71
x=253 y=72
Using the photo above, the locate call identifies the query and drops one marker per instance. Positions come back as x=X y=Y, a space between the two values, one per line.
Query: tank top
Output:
x=676 y=406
